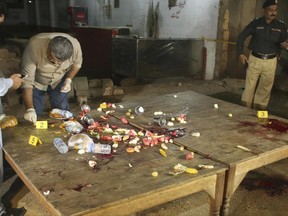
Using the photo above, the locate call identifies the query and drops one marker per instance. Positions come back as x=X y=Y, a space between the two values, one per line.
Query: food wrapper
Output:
x=8 y=121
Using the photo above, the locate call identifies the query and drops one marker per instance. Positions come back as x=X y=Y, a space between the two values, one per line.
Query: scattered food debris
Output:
x=115 y=145
x=130 y=150
x=46 y=191
x=137 y=148
x=196 y=134
x=162 y=152
x=164 y=146
x=189 y=155
x=103 y=105
x=158 y=113
x=191 y=171
x=170 y=124
x=205 y=166
x=243 y=148
x=124 y=120
x=179 y=168
x=154 y=174
x=81 y=151
x=92 y=163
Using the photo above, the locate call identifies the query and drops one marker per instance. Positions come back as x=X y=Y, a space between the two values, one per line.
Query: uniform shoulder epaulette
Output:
x=281 y=21
x=255 y=19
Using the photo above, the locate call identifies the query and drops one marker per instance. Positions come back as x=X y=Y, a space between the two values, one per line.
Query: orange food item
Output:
x=130 y=149
x=55 y=115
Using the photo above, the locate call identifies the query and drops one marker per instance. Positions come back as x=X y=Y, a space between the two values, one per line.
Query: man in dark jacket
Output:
x=269 y=35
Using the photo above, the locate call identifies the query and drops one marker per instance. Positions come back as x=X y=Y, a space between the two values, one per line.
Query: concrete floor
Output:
x=277 y=106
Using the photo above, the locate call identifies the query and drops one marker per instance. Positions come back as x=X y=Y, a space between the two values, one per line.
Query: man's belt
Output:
x=264 y=56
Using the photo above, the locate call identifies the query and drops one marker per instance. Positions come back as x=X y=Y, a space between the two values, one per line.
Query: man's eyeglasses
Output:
x=53 y=59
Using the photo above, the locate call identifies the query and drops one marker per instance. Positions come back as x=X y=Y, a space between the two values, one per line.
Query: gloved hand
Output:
x=66 y=86
x=30 y=115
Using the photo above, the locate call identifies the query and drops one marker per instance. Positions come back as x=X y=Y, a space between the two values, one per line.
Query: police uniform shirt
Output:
x=266 y=38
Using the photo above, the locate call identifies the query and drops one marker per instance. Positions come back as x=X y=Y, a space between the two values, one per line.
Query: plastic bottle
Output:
x=60 y=145
x=64 y=113
x=87 y=119
x=99 y=148
x=85 y=108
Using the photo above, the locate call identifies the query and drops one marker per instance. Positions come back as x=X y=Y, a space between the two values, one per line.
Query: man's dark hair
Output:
x=3 y=8
x=61 y=48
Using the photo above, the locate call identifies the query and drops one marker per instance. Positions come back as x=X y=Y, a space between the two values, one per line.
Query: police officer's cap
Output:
x=268 y=3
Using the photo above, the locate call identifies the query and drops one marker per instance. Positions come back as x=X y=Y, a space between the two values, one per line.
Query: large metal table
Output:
x=119 y=186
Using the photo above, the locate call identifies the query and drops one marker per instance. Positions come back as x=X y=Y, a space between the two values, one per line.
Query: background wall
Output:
x=218 y=21
x=184 y=19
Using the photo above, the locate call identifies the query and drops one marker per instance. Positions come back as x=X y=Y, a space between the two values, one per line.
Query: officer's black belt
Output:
x=264 y=56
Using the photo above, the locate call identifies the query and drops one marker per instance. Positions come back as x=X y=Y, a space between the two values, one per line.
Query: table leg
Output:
x=216 y=201
x=232 y=181
x=228 y=190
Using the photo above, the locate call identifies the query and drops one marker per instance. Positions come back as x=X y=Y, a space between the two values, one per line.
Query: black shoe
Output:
x=8 y=171
x=14 y=212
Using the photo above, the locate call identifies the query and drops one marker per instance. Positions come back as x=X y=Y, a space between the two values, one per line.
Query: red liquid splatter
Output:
x=248 y=123
x=80 y=186
x=275 y=124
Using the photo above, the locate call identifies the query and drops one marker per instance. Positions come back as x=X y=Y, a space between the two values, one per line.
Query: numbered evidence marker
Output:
x=33 y=140
x=262 y=114
x=41 y=124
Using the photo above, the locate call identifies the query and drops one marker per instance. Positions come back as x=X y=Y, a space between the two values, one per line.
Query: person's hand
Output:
x=2 y=18
x=30 y=115
x=243 y=59
x=66 y=86
x=16 y=81
x=284 y=45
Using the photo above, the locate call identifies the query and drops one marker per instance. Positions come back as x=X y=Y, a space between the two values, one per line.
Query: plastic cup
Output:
x=139 y=110
x=161 y=121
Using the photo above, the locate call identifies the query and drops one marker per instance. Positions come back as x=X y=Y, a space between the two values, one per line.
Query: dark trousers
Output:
x=57 y=99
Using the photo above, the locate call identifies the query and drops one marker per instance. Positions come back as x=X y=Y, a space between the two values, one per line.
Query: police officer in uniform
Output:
x=268 y=36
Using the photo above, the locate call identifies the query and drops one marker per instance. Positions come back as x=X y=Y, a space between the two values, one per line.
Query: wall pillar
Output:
x=53 y=23
x=37 y=11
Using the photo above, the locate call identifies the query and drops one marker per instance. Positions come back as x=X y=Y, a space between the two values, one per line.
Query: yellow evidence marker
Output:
x=41 y=124
x=33 y=140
